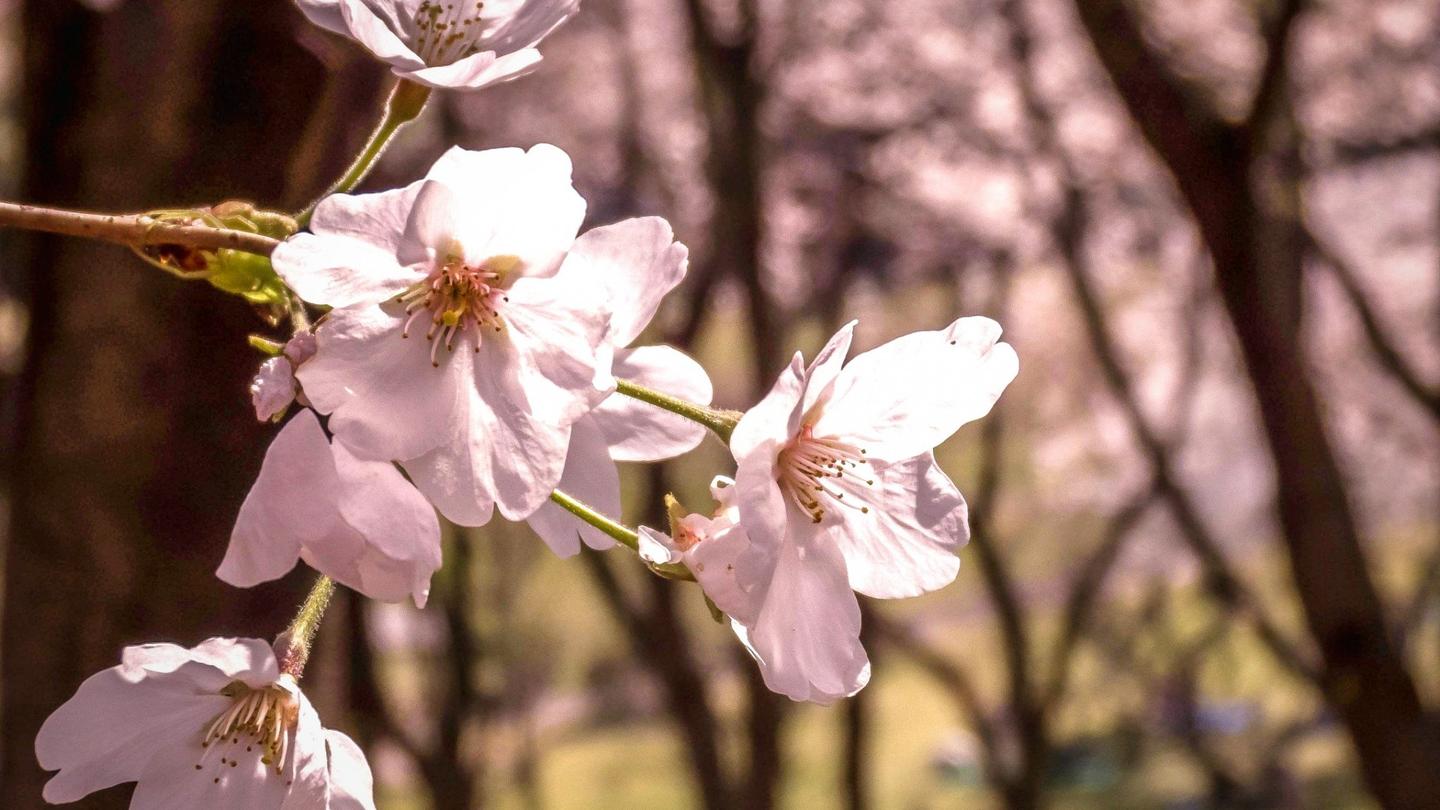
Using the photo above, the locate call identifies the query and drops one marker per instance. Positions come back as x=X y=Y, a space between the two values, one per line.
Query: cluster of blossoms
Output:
x=475 y=353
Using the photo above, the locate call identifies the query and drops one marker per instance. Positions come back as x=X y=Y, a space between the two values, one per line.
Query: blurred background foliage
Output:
x=1205 y=570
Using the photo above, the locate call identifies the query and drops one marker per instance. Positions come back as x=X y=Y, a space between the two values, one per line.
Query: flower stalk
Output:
x=619 y=532
x=293 y=645
x=406 y=103
x=722 y=423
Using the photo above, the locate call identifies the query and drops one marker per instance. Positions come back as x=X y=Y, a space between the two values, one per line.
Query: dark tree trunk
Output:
x=134 y=442
x=1255 y=245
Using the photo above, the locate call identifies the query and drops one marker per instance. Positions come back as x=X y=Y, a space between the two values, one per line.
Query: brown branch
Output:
x=1086 y=588
x=1223 y=581
x=1257 y=274
x=1381 y=344
x=136 y=230
x=1183 y=132
x=1270 y=89
x=731 y=97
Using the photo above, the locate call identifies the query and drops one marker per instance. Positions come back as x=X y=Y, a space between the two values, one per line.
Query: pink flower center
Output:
x=458 y=298
x=262 y=717
x=815 y=472
x=445 y=30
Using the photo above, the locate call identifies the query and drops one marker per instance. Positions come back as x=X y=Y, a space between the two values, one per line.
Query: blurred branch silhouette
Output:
x=1213 y=164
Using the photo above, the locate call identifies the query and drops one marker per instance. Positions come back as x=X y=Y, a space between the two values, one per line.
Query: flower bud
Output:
x=236 y=272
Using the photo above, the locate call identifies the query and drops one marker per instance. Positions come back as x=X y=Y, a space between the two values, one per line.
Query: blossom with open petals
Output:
x=217 y=726
x=639 y=263
x=463 y=343
x=357 y=521
x=459 y=44
x=836 y=475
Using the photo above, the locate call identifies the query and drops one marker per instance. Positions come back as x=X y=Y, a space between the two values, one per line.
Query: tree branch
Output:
x=1381 y=344
x=136 y=230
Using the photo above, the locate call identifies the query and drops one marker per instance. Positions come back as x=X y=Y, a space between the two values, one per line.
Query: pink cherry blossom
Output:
x=465 y=343
x=458 y=44
x=639 y=263
x=357 y=521
x=216 y=726
x=731 y=570
x=274 y=388
x=836 y=480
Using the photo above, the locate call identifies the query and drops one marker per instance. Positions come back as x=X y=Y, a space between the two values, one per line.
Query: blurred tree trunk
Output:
x=1239 y=182
x=135 y=443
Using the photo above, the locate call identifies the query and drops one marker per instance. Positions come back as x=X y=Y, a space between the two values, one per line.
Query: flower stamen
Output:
x=265 y=715
x=812 y=466
x=444 y=32
x=459 y=298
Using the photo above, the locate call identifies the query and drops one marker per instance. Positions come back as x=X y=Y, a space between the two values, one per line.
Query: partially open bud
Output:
x=236 y=272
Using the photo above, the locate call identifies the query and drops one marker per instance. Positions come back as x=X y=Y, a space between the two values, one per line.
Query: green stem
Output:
x=619 y=532
x=404 y=106
x=721 y=422
x=294 y=643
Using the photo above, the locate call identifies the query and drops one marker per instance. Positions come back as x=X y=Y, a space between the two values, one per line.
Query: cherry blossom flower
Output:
x=273 y=388
x=217 y=726
x=639 y=263
x=731 y=570
x=459 y=44
x=837 y=481
x=358 y=522
x=464 y=344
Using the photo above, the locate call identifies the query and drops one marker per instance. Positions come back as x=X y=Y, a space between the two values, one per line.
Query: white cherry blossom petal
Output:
x=379 y=34
x=638 y=431
x=907 y=544
x=351 y=256
x=291 y=503
x=352 y=786
x=357 y=521
x=248 y=660
x=376 y=218
x=477 y=70
x=273 y=388
x=724 y=562
x=657 y=548
x=324 y=13
x=775 y=418
x=909 y=395
x=523 y=23
x=639 y=261
x=519 y=204
x=384 y=396
x=433 y=42
x=807 y=635
x=92 y=755
x=529 y=388
x=590 y=477
x=173 y=720
x=402 y=548
x=820 y=376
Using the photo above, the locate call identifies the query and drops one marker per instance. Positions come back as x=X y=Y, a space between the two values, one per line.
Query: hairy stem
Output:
x=405 y=105
x=136 y=230
x=722 y=423
x=294 y=644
